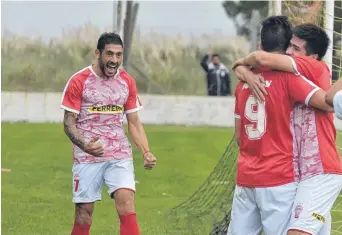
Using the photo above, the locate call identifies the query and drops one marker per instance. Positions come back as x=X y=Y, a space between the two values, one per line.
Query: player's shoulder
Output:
x=307 y=59
x=76 y=81
x=81 y=75
x=316 y=65
x=125 y=75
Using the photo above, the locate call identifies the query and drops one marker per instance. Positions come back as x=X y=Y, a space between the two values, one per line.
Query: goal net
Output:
x=207 y=211
x=316 y=12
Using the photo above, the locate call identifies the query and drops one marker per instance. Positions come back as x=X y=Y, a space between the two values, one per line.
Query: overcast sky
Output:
x=47 y=18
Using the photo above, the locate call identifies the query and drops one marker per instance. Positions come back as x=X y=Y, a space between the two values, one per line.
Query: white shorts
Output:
x=257 y=210
x=88 y=179
x=314 y=200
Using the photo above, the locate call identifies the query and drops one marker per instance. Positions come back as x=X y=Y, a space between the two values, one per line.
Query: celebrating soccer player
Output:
x=319 y=167
x=94 y=102
x=266 y=185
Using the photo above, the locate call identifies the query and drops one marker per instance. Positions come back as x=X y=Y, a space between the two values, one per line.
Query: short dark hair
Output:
x=276 y=34
x=108 y=38
x=215 y=55
x=317 y=40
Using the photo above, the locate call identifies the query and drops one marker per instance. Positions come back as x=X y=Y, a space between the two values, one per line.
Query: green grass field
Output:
x=36 y=194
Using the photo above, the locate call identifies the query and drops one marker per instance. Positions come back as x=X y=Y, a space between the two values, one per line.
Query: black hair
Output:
x=317 y=40
x=216 y=55
x=108 y=38
x=276 y=34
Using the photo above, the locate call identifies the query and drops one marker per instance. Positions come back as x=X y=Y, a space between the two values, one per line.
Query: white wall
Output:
x=180 y=110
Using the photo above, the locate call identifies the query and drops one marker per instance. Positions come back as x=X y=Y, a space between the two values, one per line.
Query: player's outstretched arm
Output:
x=334 y=98
x=93 y=147
x=317 y=100
x=302 y=90
x=270 y=60
x=329 y=98
x=137 y=132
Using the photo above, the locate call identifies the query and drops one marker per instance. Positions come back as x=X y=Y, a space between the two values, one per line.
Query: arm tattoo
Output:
x=71 y=131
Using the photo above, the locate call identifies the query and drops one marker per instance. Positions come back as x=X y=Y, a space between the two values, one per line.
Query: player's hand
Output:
x=257 y=85
x=94 y=147
x=150 y=161
x=210 y=52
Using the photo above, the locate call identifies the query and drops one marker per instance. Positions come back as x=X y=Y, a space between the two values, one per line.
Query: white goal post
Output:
x=275 y=8
x=329 y=27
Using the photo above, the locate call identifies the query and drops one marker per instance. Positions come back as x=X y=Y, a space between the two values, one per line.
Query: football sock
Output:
x=129 y=224
x=80 y=229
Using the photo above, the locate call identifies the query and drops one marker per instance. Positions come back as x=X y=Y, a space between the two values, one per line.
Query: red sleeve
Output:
x=300 y=89
x=133 y=103
x=314 y=70
x=72 y=95
x=236 y=93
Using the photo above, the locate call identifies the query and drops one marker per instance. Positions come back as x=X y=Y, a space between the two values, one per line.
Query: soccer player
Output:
x=94 y=102
x=307 y=48
x=319 y=167
x=266 y=186
x=334 y=98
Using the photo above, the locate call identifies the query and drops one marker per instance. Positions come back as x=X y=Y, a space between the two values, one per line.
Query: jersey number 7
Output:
x=256 y=114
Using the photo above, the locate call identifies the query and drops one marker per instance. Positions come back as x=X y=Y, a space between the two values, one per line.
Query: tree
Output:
x=241 y=13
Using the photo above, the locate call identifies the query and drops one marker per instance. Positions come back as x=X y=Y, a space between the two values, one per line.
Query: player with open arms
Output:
x=95 y=100
x=319 y=167
x=266 y=186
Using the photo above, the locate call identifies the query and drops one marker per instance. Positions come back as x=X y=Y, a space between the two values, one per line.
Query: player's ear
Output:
x=314 y=56
x=97 y=54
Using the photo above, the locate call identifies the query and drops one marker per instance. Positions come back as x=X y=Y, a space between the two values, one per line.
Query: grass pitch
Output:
x=36 y=194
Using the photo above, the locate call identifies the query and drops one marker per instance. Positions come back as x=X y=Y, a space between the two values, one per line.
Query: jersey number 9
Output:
x=255 y=113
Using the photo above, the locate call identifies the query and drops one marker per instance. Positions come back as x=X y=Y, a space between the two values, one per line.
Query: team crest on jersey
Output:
x=106 y=109
x=298 y=210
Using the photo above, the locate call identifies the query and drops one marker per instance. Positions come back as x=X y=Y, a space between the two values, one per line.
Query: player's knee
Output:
x=124 y=206
x=124 y=201
x=84 y=213
x=297 y=232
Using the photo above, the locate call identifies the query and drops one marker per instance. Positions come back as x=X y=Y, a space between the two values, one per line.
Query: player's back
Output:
x=266 y=148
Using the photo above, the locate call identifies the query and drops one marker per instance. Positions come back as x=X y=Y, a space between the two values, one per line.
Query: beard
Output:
x=108 y=69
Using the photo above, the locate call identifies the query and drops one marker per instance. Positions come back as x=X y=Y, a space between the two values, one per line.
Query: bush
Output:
x=160 y=64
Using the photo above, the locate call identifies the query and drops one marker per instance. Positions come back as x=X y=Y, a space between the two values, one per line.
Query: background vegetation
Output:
x=160 y=64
